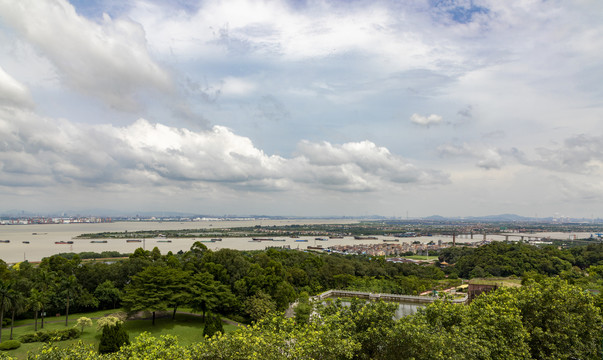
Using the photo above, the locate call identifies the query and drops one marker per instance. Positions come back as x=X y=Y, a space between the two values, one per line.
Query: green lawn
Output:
x=508 y=281
x=421 y=257
x=188 y=329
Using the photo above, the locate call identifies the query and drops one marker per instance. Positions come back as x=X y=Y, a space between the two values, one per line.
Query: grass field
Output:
x=508 y=281
x=422 y=257
x=188 y=329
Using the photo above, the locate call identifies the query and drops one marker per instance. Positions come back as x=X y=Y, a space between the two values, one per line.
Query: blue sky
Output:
x=447 y=107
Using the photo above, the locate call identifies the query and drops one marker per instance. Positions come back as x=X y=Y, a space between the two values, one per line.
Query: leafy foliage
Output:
x=83 y=322
x=10 y=345
x=53 y=335
x=112 y=338
x=213 y=325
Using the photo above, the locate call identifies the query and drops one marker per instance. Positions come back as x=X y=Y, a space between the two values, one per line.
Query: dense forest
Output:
x=553 y=315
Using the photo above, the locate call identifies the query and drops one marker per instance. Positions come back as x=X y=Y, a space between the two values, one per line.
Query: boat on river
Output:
x=63 y=242
x=133 y=240
x=98 y=241
x=4 y=241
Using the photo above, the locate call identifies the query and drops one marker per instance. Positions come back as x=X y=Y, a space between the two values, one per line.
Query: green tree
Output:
x=83 y=322
x=259 y=305
x=153 y=289
x=36 y=302
x=5 y=293
x=107 y=294
x=70 y=289
x=16 y=304
x=43 y=280
x=562 y=320
x=303 y=309
x=207 y=294
x=179 y=286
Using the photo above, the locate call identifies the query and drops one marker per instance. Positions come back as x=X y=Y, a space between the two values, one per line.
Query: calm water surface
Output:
x=42 y=244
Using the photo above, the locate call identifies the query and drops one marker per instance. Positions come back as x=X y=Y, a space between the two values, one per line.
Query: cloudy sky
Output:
x=397 y=108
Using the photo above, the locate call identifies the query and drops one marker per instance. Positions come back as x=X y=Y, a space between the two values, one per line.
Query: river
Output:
x=42 y=237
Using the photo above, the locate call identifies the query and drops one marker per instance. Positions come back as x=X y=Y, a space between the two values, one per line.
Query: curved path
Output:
x=159 y=314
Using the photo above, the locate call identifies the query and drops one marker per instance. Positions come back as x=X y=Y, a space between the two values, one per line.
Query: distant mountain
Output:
x=487 y=218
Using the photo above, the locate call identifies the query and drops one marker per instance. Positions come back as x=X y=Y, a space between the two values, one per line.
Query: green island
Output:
x=523 y=302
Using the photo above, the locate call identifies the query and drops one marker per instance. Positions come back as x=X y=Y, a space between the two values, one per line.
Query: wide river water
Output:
x=42 y=237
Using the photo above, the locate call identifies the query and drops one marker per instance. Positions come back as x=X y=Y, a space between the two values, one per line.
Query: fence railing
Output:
x=385 y=297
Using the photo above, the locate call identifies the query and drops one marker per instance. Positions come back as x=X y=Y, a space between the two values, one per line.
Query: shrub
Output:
x=10 y=345
x=3 y=356
x=54 y=335
x=213 y=324
x=110 y=320
x=112 y=338
x=42 y=336
x=28 y=338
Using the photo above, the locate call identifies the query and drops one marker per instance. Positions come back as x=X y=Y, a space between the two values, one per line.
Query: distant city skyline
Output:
x=302 y=108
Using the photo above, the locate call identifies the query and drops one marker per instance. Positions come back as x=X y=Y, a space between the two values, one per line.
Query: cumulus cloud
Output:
x=491 y=159
x=426 y=121
x=50 y=151
x=107 y=60
x=359 y=166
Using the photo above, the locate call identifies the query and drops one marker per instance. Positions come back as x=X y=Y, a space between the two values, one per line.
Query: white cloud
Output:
x=491 y=159
x=232 y=86
x=426 y=121
x=49 y=152
x=108 y=60
x=360 y=165
x=12 y=92
x=488 y=158
x=275 y=30
x=577 y=154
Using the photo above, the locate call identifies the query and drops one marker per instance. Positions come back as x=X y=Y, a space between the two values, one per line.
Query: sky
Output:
x=302 y=108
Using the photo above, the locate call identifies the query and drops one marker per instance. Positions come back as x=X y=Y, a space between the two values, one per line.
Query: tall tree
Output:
x=179 y=285
x=44 y=279
x=16 y=304
x=152 y=289
x=36 y=303
x=107 y=294
x=5 y=292
x=70 y=289
x=207 y=294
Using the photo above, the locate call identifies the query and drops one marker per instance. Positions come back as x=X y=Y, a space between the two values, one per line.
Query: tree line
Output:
x=249 y=285
x=550 y=319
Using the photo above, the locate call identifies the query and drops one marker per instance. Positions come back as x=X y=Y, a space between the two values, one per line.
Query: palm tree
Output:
x=36 y=303
x=5 y=291
x=71 y=287
x=44 y=278
x=16 y=304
